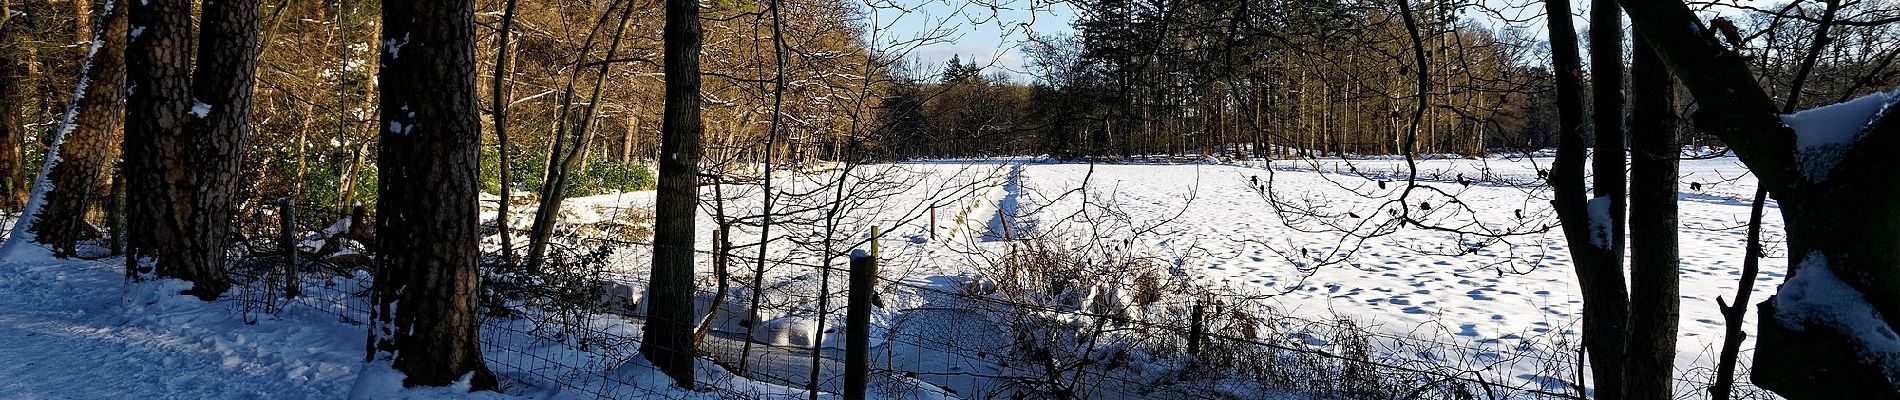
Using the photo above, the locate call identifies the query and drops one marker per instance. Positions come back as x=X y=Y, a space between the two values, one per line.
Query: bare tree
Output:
x=1655 y=302
x=1841 y=216
x=501 y=89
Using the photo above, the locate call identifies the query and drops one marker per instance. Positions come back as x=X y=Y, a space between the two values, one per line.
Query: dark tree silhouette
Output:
x=668 y=332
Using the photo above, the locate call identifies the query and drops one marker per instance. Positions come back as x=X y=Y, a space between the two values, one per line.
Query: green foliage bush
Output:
x=606 y=175
x=601 y=174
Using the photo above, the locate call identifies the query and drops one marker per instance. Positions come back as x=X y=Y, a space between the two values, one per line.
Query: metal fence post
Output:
x=287 y=239
x=857 y=327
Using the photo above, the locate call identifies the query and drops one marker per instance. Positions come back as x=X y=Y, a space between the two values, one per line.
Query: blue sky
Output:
x=988 y=32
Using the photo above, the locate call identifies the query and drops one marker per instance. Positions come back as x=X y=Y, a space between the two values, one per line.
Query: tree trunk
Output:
x=565 y=156
x=1844 y=222
x=424 y=307
x=502 y=91
x=14 y=50
x=91 y=147
x=158 y=62
x=1607 y=335
x=213 y=144
x=1654 y=258
x=669 y=329
x=1605 y=308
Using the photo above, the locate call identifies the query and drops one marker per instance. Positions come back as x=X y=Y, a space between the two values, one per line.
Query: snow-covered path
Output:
x=64 y=335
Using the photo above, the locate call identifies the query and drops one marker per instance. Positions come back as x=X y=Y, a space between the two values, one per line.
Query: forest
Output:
x=1228 y=199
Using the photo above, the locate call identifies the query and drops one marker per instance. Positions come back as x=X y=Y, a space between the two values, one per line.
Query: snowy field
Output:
x=1314 y=239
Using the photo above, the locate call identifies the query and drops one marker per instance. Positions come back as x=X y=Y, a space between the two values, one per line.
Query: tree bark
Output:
x=1654 y=258
x=669 y=329
x=502 y=90
x=14 y=51
x=158 y=62
x=1849 y=219
x=86 y=156
x=213 y=144
x=424 y=306
x=1607 y=335
x=1605 y=299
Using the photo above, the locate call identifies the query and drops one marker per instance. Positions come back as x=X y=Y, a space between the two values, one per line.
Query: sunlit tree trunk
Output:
x=669 y=329
x=87 y=154
x=425 y=305
x=14 y=84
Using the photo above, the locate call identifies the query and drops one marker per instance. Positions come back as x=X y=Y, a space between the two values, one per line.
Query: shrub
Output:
x=607 y=175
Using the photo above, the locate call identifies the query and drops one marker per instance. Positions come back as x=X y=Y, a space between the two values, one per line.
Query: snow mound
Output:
x=1816 y=297
x=379 y=381
x=1823 y=133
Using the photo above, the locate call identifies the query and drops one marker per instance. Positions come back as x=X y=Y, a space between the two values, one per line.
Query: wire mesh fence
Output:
x=575 y=326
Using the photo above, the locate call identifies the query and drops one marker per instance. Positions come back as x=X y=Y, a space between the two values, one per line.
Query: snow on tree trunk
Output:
x=21 y=232
x=91 y=148
x=425 y=321
x=1822 y=134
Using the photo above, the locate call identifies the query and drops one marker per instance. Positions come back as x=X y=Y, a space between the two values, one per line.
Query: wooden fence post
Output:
x=1196 y=329
x=115 y=211
x=287 y=239
x=857 y=327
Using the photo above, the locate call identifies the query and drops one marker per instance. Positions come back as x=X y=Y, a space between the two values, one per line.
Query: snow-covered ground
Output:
x=1310 y=238
x=1498 y=300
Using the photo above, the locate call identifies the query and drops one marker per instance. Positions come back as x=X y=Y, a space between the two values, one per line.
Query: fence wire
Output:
x=576 y=328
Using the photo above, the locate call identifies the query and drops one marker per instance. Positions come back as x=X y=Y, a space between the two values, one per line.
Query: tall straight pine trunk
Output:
x=669 y=329
x=158 y=63
x=425 y=318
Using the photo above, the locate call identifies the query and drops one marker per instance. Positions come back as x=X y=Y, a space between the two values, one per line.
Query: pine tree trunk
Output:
x=90 y=149
x=1654 y=254
x=158 y=62
x=213 y=144
x=425 y=317
x=669 y=329
x=14 y=50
